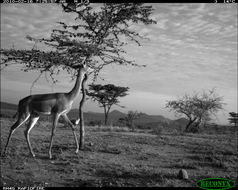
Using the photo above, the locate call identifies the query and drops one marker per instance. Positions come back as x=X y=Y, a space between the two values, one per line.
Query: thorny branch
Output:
x=98 y=35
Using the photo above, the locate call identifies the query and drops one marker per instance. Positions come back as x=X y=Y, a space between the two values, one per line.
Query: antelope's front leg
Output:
x=55 y=122
x=73 y=129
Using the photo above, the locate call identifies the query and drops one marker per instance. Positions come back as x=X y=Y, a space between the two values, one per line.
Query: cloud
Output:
x=192 y=46
x=20 y=20
x=151 y=102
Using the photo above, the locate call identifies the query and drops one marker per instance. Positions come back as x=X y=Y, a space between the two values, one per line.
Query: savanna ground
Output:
x=115 y=157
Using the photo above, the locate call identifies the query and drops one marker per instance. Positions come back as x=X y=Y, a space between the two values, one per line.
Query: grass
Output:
x=103 y=128
x=115 y=156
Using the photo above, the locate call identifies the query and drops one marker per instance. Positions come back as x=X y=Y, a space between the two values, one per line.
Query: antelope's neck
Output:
x=75 y=91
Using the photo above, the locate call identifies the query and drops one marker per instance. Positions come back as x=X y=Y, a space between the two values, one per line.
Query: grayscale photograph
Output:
x=118 y=95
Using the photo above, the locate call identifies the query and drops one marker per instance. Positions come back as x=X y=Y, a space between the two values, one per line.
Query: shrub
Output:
x=158 y=130
x=95 y=123
x=143 y=126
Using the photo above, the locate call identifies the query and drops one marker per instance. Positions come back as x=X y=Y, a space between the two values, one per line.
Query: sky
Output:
x=193 y=47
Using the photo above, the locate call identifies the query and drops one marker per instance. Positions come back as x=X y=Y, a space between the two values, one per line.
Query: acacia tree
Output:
x=95 y=39
x=130 y=118
x=106 y=95
x=197 y=108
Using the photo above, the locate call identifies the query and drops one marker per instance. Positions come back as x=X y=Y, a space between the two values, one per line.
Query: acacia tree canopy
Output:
x=95 y=38
x=197 y=107
x=106 y=95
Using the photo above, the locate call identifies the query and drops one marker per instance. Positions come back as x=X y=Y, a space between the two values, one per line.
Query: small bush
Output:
x=143 y=126
x=95 y=123
x=158 y=130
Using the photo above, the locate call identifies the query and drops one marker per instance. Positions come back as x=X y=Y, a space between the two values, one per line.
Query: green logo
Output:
x=215 y=183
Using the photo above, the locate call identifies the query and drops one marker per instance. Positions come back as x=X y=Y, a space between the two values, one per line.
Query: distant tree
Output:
x=106 y=95
x=233 y=118
x=130 y=118
x=197 y=108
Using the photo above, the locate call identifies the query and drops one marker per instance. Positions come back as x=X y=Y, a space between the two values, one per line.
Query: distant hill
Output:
x=113 y=116
x=152 y=119
x=8 y=106
x=95 y=116
x=182 y=121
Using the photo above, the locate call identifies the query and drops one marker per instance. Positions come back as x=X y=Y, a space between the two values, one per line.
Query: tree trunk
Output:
x=132 y=126
x=189 y=124
x=105 y=122
x=106 y=114
x=81 y=141
x=196 y=126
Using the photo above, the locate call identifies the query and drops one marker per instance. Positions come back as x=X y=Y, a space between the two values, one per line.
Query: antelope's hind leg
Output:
x=21 y=119
x=32 y=122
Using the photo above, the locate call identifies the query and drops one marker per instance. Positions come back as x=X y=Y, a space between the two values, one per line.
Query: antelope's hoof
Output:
x=32 y=154
x=76 y=151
